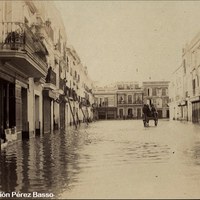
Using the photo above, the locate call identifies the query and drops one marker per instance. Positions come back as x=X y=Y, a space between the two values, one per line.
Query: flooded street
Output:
x=108 y=159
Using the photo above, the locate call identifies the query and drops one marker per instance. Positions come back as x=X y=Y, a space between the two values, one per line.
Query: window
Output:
x=121 y=99
x=121 y=113
x=130 y=99
x=193 y=86
x=106 y=101
x=159 y=103
x=70 y=71
x=197 y=80
x=100 y=102
x=138 y=98
x=149 y=92
x=184 y=66
x=154 y=91
x=130 y=112
x=164 y=91
x=67 y=64
x=159 y=92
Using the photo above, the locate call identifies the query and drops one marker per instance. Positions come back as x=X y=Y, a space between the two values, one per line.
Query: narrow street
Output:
x=108 y=159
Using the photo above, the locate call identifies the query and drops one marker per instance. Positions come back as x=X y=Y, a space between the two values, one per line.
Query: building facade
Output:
x=185 y=86
x=129 y=100
x=105 y=102
x=177 y=103
x=156 y=92
x=124 y=100
x=41 y=77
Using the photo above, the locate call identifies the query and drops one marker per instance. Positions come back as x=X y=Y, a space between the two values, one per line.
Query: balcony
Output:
x=22 y=49
x=103 y=104
x=71 y=93
x=62 y=84
x=85 y=102
x=123 y=102
x=50 y=79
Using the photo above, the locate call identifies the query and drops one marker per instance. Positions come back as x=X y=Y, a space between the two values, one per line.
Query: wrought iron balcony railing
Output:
x=18 y=38
x=123 y=102
x=12 y=35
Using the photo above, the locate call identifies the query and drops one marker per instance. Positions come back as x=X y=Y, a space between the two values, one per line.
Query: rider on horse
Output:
x=153 y=110
x=149 y=111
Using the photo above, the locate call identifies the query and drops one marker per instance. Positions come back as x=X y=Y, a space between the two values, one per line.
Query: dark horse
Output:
x=149 y=114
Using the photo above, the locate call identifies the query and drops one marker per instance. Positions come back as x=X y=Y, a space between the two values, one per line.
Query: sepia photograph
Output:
x=99 y=99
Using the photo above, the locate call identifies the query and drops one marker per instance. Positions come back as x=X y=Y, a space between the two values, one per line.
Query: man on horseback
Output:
x=153 y=111
x=146 y=111
x=149 y=112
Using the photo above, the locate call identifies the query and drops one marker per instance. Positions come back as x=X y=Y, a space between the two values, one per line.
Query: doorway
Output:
x=37 y=115
x=139 y=113
x=121 y=113
x=25 y=124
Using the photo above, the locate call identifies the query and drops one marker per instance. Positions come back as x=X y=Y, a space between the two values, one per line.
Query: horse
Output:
x=149 y=114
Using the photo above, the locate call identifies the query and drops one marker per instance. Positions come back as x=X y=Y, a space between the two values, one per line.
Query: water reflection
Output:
x=143 y=152
x=70 y=161
x=44 y=164
x=193 y=154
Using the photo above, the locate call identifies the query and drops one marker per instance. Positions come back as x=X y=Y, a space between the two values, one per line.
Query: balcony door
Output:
x=25 y=124
x=7 y=105
x=47 y=114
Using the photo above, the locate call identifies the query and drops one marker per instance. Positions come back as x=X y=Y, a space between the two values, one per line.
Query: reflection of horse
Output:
x=149 y=114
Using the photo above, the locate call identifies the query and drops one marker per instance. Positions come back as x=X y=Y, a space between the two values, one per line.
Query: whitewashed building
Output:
x=106 y=102
x=185 y=86
x=156 y=92
x=37 y=70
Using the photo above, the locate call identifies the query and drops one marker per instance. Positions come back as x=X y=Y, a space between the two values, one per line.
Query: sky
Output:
x=130 y=40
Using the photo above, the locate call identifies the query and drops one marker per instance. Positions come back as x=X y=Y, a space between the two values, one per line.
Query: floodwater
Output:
x=108 y=159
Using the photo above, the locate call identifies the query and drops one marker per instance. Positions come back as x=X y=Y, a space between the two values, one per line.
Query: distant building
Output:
x=124 y=100
x=156 y=92
x=106 y=102
x=185 y=84
x=177 y=104
x=129 y=100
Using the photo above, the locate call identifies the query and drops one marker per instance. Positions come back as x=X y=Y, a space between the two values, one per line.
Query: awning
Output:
x=195 y=99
